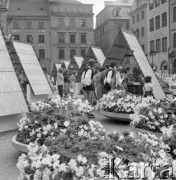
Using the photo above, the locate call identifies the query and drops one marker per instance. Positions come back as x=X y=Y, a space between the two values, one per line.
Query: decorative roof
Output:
x=32 y=68
x=28 y=8
x=79 y=60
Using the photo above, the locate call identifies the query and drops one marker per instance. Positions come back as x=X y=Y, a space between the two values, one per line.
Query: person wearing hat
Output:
x=88 y=82
x=109 y=77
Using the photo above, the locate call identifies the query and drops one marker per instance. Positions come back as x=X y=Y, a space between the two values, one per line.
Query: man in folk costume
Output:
x=88 y=82
x=109 y=77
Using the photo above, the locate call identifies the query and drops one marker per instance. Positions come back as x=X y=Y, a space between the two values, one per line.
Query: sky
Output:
x=98 y=5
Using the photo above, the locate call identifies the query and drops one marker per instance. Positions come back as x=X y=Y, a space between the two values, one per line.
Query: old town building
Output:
x=109 y=21
x=71 y=24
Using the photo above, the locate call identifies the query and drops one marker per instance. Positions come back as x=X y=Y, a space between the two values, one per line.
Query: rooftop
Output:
x=28 y=8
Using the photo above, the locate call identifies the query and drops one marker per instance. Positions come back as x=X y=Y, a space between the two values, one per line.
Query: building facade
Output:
x=159 y=34
x=71 y=26
x=139 y=23
x=108 y=23
x=172 y=50
x=28 y=22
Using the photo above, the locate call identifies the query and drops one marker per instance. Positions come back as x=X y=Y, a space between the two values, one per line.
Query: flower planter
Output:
x=142 y=131
x=19 y=146
x=117 y=116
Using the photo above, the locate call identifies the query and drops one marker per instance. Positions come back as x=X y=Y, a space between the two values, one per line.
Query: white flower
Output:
x=160 y=110
x=82 y=159
x=55 y=157
x=62 y=167
x=39 y=135
x=66 y=123
x=103 y=155
x=56 y=164
x=72 y=164
x=79 y=171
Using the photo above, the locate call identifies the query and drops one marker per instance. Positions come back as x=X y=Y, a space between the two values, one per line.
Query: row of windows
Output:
x=29 y=38
x=61 y=38
x=72 y=52
x=62 y=53
x=156 y=3
x=138 y=17
x=158 y=45
x=29 y=24
x=72 y=22
x=157 y=23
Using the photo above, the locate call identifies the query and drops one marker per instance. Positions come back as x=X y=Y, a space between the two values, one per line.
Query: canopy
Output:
x=127 y=41
x=32 y=69
x=12 y=100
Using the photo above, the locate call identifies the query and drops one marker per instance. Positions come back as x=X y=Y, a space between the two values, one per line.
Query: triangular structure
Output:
x=95 y=53
x=36 y=77
x=12 y=100
x=75 y=64
x=127 y=41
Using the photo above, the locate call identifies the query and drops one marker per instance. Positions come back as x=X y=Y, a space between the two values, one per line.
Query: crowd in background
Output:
x=96 y=81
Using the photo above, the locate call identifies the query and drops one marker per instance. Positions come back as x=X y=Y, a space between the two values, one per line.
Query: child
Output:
x=148 y=88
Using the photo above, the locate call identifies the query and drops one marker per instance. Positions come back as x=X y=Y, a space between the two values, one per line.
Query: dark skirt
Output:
x=89 y=88
x=148 y=93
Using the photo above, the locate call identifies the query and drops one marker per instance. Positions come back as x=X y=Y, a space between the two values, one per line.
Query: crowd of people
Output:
x=97 y=81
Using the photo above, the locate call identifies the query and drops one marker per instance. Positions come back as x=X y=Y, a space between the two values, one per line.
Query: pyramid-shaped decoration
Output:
x=12 y=100
x=125 y=41
x=32 y=69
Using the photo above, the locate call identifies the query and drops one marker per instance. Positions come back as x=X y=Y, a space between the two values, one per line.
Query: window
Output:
x=152 y=46
x=137 y=33
x=83 y=22
x=174 y=39
x=142 y=31
x=41 y=25
x=16 y=24
x=41 y=38
x=28 y=24
x=41 y=53
x=72 y=22
x=164 y=44
x=158 y=45
x=151 y=5
x=72 y=38
x=143 y=47
x=157 y=21
x=127 y=26
x=61 y=54
x=137 y=17
x=164 y=19
x=157 y=3
x=83 y=53
x=61 y=37
x=152 y=24
x=29 y=38
x=137 y=3
x=72 y=52
x=133 y=19
x=174 y=13
x=61 y=22
x=16 y=37
x=163 y=1
x=142 y=14
x=83 y=38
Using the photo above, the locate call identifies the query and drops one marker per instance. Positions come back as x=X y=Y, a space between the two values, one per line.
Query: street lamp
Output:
x=152 y=53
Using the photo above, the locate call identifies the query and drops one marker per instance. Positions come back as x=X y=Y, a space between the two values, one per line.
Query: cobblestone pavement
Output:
x=9 y=156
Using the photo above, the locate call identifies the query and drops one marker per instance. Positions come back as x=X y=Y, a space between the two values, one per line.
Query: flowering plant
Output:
x=119 y=102
x=153 y=116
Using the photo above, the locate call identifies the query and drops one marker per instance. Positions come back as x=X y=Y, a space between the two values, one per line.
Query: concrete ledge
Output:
x=19 y=146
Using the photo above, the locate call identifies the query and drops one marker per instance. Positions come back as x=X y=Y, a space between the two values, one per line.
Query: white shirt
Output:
x=109 y=76
x=118 y=79
x=87 y=79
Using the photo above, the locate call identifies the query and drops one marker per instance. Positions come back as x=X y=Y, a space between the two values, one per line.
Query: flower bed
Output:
x=119 y=102
x=64 y=144
x=154 y=116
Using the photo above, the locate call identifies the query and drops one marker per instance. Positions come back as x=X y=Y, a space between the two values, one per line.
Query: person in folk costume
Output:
x=72 y=83
x=124 y=83
x=88 y=82
x=148 y=88
x=109 y=77
x=60 y=82
x=98 y=84
x=82 y=81
x=66 y=82
x=117 y=79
